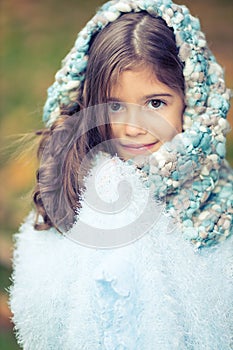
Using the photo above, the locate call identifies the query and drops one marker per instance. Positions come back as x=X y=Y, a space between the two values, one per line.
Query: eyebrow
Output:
x=157 y=95
x=146 y=97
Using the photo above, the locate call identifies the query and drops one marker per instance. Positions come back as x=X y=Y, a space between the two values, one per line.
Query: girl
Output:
x=139 y=102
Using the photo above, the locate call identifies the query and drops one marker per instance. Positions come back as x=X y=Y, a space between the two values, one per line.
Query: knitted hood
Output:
x=189 y=171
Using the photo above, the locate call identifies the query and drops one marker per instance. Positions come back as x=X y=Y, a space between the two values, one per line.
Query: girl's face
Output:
x=144 y=113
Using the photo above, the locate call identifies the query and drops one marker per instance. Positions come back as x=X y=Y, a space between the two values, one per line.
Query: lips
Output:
x=137 y=148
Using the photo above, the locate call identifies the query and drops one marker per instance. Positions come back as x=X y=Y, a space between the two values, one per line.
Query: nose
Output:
x=131 y=130
x=133 y=123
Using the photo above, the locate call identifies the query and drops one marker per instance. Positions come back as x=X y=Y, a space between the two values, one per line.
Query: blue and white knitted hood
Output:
x=190 y=171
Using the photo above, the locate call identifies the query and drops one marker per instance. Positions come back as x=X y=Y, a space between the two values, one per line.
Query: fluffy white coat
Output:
x=156 y=292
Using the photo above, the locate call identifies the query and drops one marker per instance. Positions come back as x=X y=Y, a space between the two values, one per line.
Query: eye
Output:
x=156 y=104
x=115 y=107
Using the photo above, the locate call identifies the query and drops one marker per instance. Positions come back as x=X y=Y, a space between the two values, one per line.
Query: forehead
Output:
x=137 y=82
x=115 y=76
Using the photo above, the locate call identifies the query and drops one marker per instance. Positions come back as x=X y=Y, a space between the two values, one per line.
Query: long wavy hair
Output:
x=130 y=42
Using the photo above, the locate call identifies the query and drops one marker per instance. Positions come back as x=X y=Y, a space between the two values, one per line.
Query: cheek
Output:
x=168 y=125
x=178 y=123
x=177 y=117
x=180 y=119
x=181 y=110
x=116 y=130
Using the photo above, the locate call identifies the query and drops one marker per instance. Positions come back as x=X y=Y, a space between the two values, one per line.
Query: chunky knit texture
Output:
x=190 y=171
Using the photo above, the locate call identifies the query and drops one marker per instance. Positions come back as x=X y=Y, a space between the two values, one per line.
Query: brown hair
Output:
x=133 y=40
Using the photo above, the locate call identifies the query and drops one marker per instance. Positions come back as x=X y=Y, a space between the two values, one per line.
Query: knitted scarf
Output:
x=189 y=171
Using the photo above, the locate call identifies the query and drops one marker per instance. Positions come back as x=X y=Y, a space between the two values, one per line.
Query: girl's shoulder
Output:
x=28 y=238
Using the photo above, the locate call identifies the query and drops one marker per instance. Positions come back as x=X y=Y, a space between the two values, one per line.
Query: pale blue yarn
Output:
x=204 y=207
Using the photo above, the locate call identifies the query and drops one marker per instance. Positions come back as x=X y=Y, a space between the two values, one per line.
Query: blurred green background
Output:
x=36 y=35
